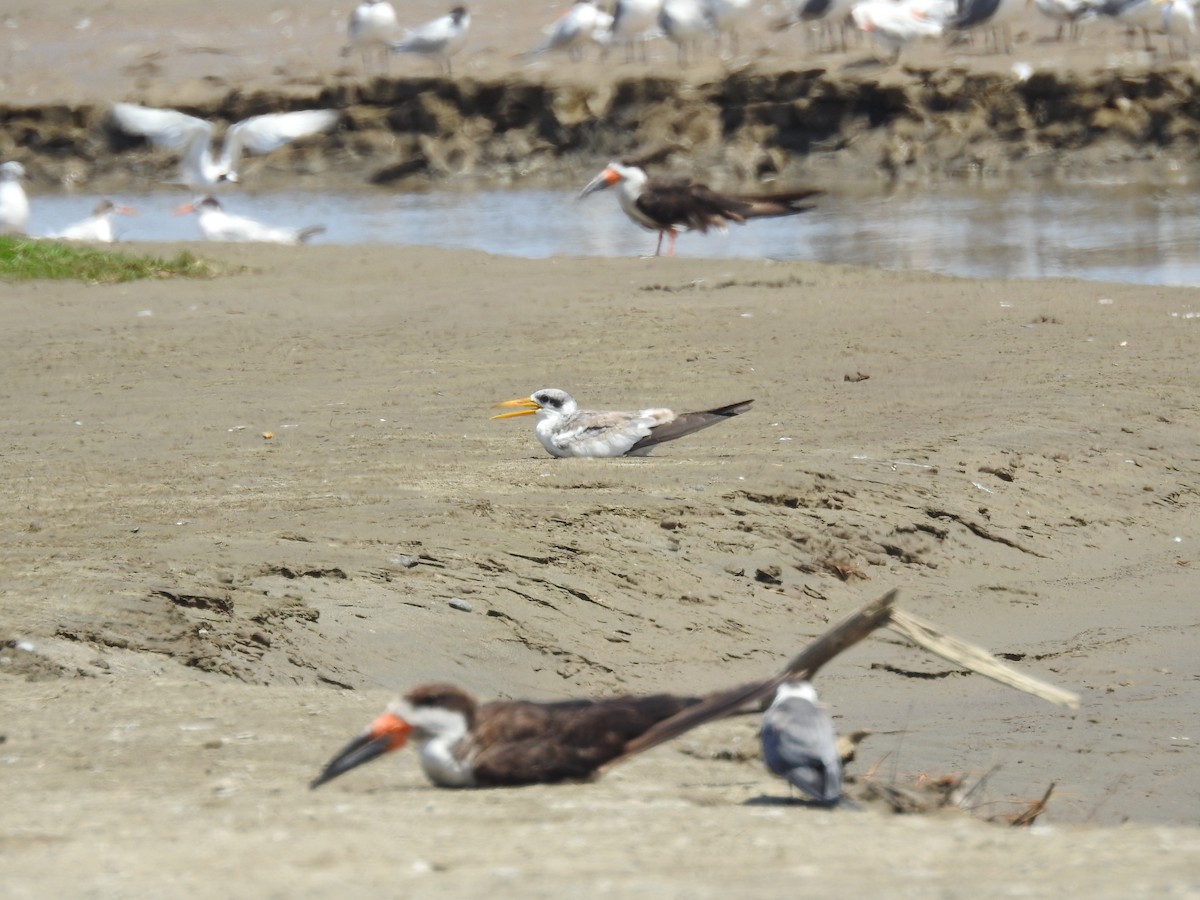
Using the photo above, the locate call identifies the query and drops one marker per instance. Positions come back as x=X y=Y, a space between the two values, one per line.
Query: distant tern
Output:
x=895 y=25
x=96 y=227
x=799 y=744
x=634 y=23
x=672 y=205
x=566 y=430
x=198 y=168
x=218 y=225
x=725 y=16
x=579 y=26
x=440 y=39
x=14 y=205
x=686 y=23
x=371 y=29
x=1068 y=14
x=997 y=15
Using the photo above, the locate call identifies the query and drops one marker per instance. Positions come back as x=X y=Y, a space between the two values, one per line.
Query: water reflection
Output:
x=1102 y=232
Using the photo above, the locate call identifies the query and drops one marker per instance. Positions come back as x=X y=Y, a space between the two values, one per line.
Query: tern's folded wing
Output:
x=686 y=423
x=603 y=433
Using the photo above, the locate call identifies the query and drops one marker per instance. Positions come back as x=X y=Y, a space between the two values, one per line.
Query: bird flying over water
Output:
x=199 y=168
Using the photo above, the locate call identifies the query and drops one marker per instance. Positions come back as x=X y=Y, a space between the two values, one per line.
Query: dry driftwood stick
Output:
x=976 y=659
x=876 y=614
x=847 y=633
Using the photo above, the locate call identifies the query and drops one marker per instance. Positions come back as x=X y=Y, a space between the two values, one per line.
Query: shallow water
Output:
x=1110 y=233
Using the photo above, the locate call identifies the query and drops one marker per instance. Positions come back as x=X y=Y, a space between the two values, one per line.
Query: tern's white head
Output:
x=544 y=402
x=799 y=689
x=12 y=171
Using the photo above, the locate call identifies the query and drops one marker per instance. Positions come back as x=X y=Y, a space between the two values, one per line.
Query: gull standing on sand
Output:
x=198 y=168
x=669 y=206
x=371 y=29
x=566 y=430
x=895 y=25
x=1069 y=14
x=1145 y=15
x=996 y=15
x=579 y=26
x=14 y=205
x=634 y=24
x=799 y=744
x=1178 y=22
x=96 y=227
x=218 y=225
x=686 y=23
x=441 y=38
x=726 y=15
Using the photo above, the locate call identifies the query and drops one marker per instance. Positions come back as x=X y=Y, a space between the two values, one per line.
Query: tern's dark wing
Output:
x=686 y=423
x=539 y=743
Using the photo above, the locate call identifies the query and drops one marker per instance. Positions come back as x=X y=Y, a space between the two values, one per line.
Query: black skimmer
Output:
x=371 y=29
x=96 y=227
x=441 y=38
x=462 y=743
x=198 y=168
x=14 y=204
x=799 y=743
x=566 y=430
x=218 y=225
x=671 y=205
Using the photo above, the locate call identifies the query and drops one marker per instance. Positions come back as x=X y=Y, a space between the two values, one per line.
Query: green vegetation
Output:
x=22 y=259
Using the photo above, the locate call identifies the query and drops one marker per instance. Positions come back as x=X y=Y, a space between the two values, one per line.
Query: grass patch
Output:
x=22 y=259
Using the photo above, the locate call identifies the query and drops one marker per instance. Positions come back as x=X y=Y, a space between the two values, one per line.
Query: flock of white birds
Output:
x=374 y=31
x=690 y=25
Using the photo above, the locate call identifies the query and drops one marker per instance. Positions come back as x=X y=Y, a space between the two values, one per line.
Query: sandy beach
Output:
x=211 y=613
x=237 y=511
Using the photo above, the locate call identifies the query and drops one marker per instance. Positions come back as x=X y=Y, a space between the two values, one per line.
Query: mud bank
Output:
x=918 y=126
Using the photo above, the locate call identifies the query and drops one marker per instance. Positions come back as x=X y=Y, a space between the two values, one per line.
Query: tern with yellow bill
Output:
x=566 y=430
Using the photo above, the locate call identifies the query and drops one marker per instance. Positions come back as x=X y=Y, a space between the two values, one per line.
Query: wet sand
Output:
x=195 y=616
x=212 y=612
